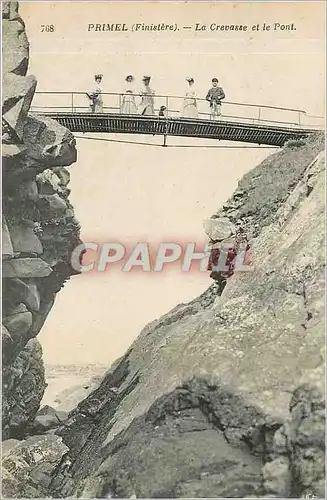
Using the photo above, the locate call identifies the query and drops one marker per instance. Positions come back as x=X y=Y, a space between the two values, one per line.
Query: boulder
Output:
x=23 y=389
x=16 y=309
x=18 y=92
x=26 y=268
x=19 y=291
x=14 y=41
x=18 y=324
x=28 y=467
x=32 y=297
x=48 y=143
x=24 y=240
x=47 y=418
x=40 y=316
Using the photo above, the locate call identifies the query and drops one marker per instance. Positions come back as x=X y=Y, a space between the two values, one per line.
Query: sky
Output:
x=145 y=193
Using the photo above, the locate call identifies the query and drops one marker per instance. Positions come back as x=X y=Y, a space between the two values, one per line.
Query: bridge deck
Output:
x=271 y=135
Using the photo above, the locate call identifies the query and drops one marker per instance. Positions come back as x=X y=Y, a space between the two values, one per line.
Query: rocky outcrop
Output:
x=208 y=388
x=14 y=40
x=28 y=466
x=39 y=229
x=23 y=388
x=46 y=420
x=296 y=465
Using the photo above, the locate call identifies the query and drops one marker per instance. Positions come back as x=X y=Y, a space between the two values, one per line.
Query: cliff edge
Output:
x=224 y=396
x=39 y=228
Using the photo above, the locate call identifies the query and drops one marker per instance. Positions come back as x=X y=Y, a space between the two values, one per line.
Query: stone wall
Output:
x=39 y=228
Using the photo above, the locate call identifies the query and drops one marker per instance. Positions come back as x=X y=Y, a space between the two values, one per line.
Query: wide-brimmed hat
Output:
x=146 y=78
x=129 y=76
x=190 y=79
x=215 y=80
x=98 y=76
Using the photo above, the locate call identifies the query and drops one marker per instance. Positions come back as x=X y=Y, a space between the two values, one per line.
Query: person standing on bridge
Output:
x=147 y=102
x=95 y=97
x=128 y=106
x=190 y=107
x=215 y=95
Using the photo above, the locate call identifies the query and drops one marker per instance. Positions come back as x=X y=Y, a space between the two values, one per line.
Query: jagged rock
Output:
x=32 y=297
x=54 y=203
x=63 y=175
x=49 y=182
x=8 y=445
x=18 y=92
x=47 y=418
x=49 y=410
x=18 y=323
x=30 y=145
x=14 y=40
x=17 y=291
x=24 y=240
x=17 y=309
x=263 y=190
x=185 y=430
x=28 y=467
x=10 y=11
x=23 y=389
x=297 y=466
x=49 y=143
x=25 y=268
x=6 y=248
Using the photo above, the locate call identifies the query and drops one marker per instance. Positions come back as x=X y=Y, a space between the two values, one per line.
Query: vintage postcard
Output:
x=163 y=249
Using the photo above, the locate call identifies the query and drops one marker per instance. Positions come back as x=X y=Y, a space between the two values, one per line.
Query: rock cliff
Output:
x=220 y=397
x=39 y=228
x=224 y=396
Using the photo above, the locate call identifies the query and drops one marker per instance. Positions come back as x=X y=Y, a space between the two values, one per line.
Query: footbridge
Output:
x=240 y=122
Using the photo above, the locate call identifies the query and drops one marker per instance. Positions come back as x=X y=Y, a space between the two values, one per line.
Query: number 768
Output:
x=48 y=28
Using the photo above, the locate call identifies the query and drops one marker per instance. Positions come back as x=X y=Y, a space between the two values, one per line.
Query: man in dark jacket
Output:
x=215 y=95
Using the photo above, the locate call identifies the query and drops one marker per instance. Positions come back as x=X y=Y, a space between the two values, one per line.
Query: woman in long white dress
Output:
x=95 y=97
x=147 y=101
x=190 y=107
x=128 y=105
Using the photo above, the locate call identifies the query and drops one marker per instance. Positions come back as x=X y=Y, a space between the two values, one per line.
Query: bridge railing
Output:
x=78 y=102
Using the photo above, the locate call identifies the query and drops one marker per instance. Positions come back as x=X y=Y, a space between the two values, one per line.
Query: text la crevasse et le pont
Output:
x=214 y=27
